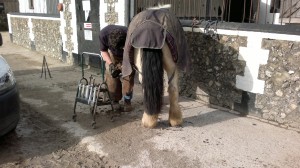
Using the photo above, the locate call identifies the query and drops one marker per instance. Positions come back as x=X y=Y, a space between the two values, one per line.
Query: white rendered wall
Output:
x=119 y=8
x=40 y=6
x=9 y=24
x=254 y=56
x=74 y=39
x=265 y=17
x=62 y=27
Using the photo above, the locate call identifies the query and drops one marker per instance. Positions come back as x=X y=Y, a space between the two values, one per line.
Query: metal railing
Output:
x=242 y=11
x=290 y=12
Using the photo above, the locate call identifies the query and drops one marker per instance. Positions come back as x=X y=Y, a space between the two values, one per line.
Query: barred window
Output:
x=31 y=4
x=275 y=6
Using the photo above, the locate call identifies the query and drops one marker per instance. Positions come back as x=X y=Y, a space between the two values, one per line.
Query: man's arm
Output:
x=114 y=71
x=106 y=57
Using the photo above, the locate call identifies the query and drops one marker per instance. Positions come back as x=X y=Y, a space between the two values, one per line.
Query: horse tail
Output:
x=152 y=83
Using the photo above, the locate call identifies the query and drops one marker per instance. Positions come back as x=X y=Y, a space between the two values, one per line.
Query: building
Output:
x=290 y=11
x=39 y=6
x=7 y=6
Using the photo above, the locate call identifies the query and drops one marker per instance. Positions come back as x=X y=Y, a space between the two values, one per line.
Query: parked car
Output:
x=1 y=40
x=9 y=98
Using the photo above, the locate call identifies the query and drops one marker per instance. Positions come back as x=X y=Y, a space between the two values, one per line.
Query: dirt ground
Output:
x=46 y=135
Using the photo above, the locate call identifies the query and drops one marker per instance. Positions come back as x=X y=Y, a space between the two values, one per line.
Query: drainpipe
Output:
x=127 y=12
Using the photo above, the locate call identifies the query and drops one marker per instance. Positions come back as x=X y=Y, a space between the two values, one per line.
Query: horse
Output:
x=157 y=41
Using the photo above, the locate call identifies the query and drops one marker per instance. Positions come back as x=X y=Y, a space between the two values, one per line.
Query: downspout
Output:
x=127 y=12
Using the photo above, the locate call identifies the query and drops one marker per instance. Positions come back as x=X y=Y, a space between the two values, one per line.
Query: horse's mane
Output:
x=160 y=6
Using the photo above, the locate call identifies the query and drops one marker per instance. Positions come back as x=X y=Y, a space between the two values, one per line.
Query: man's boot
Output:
x=116 y=106
x=127 y=106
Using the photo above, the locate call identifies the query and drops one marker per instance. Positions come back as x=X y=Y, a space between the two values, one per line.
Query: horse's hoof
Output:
x=175 y=123
x=175 y=116
x=149 y=121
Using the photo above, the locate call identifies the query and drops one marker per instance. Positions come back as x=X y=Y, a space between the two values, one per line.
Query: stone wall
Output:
x=47 y=37
x=38 y=33
x=216 y=64
x=281 y=100
x=21 y=31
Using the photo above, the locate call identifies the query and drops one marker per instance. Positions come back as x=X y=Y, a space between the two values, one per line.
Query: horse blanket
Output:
x=151 y=29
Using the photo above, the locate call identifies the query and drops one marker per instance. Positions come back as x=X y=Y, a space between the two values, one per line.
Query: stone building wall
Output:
x=37 y=32
x=216 y=64
x=47 y=37
x=21 y=31
x=281 y=100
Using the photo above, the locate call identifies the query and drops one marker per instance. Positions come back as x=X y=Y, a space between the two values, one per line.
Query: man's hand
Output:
x=115 y=72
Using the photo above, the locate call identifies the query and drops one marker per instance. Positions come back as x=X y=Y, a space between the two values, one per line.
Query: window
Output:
x=275 y=6
x=1 y=7
x=31 y=6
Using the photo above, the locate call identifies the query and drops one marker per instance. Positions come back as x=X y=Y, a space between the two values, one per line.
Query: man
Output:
x=112 y=39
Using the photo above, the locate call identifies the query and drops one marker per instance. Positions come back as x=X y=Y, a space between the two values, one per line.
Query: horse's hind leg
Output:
x=175 y=115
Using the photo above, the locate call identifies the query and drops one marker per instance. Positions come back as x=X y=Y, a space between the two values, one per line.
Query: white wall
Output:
x=72 y=9
x=119 y=8
x=74 y=39
x=265 y=17
x=40 y=6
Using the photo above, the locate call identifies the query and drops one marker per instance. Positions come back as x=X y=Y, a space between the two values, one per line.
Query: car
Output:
x=9 y=98
x=1 y=40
